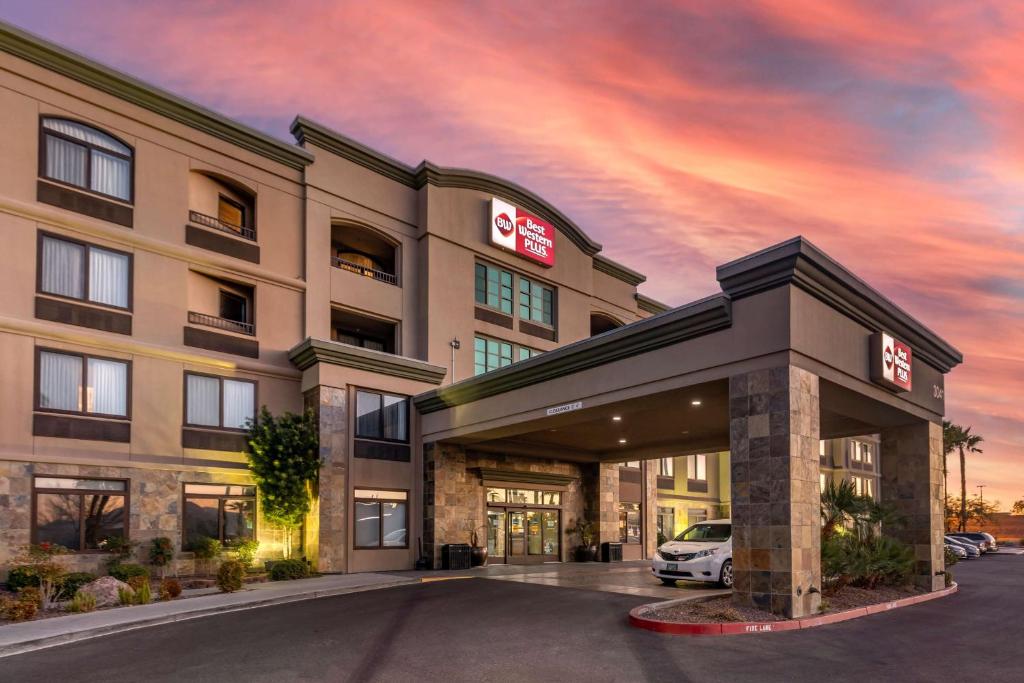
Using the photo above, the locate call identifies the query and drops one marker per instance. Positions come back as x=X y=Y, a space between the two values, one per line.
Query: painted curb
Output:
x=751 y=627
x=44 y=642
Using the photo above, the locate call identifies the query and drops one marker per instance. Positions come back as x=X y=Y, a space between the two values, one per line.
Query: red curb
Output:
x=750 y=627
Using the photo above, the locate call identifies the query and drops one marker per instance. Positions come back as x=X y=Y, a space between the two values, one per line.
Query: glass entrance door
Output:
x=516 y=535
x=496 y=535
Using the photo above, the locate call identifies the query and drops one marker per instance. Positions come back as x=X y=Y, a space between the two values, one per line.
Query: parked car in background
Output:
x=703 y=552
x=958 y=550
x=972 y=549
x=986 y=542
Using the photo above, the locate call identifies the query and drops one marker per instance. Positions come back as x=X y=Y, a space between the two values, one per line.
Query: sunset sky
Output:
x=679 y=135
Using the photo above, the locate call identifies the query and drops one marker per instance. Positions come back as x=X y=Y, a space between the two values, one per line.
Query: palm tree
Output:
x=951 y=435
x=966 y=443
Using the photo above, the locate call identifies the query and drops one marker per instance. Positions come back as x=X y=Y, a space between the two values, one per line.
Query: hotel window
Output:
x=526 y=352
x=79 y=514
x=381 y=519
x=384 y=417
x=632 y=463
x=77 y=383
x=494 y=288
x=862 y=452
x=79 y=155
x=536 y=302
x=225 y=512
x=697 y=468
x=219 y=402
x=666 y=467
x=81 y=271
x=696 y=516
x=491 y=354
x=822 y=450
x=666 y=522
x=863 y=486
x=231 y=213
x=234 y=307
x=822 y=481
x=629 y=523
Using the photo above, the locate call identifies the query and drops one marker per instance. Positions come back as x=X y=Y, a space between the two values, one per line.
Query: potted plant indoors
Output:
x=586 y=550
x=478 y=552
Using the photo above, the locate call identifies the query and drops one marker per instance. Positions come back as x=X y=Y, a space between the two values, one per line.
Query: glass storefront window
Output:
x=629 y=523
x=496 y=495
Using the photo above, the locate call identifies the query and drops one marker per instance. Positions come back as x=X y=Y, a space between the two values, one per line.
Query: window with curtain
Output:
x=697 y=468
x=71 y=382
x=381 y=518
x=218 y=401
x=225 y=512
x=666 y=467
x=536 y=302
x=382 y=416
x=79 y=514
x=83 y=271
x=82 y=156
x=494 y=288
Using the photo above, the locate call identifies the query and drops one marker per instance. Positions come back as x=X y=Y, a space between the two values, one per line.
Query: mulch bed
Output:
x=720 y=609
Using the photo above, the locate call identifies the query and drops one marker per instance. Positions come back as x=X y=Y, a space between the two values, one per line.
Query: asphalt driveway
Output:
x=498 y=630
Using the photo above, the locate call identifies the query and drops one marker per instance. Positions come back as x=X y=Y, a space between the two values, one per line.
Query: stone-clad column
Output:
x=650 y=510
x=601 y=500
x=774 y=429
x=327 y=534
x=911 y=482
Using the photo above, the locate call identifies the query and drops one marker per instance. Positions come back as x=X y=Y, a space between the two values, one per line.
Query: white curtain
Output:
x=108 y=387
x=62 y=268
x=111 y=175
x=87 y=134
x=60 y=381
x=65 y=161
x=108 y=277
x=203 y=398
x=239 y=399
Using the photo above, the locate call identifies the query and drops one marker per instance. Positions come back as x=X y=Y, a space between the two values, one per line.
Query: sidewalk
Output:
x=35 y=635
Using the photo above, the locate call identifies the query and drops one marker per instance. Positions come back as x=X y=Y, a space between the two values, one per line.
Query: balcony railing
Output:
x=221 y=323
x=217 y=224
x=363 y=270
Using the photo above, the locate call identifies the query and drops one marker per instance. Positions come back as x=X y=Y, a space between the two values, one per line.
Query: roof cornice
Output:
x=312 y=351
x=618 y=271
x=50 y=56
x=646 y=303
x=427 y=173
x=800 y=263
x=686 y=322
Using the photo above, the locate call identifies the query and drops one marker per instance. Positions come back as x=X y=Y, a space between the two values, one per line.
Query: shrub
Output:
x=82 y=602
x=206 y=549
x=136 y=582
x=229 y=576
x=22 y=607
x=124 y=572
x=246 y=550
x=143 y=594
x=120 y=546
x=951 y=557
x=22 y=576
x=286 y=570
x=169 y=589
x=948 y=576
x=41 y=560
x=126 y=596
x=847 y=560
x=161 y=553
x=70 y=583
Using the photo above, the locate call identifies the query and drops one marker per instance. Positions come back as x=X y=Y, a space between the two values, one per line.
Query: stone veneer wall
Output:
x=453 y=495
x=774 y=431
x=328 y=525
x=601 y=499
x=650 y=509
x=155 y=499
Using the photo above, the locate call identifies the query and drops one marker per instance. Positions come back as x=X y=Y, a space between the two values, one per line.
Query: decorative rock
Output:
x=105 y=589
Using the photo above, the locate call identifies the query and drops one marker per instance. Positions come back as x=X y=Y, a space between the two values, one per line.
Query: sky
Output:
x=679 y=135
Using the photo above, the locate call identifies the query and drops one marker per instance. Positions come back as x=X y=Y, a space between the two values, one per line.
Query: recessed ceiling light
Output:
x=616 y=418
x=695 y=402
x=622 y=441
x=685 y=431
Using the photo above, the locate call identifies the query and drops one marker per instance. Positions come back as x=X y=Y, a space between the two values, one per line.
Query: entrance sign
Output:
x=522 y=233
x=891 y=362
x=567 y=408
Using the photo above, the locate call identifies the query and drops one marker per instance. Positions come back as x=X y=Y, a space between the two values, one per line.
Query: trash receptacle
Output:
x=457 y=556
x=611 y=552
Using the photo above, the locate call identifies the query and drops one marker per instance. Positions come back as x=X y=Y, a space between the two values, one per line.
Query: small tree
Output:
x=41 y=561
x=1018 y=507
x=284 y=458
x=161 y=553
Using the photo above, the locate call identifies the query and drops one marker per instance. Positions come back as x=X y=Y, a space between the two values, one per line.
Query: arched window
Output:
x=78 y=155
x=602 y=322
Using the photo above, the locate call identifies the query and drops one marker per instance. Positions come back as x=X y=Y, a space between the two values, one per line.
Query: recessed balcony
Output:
x=225 y=324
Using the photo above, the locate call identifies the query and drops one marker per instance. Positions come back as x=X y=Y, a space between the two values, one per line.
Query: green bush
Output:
x=848 y=560
x=246 y=550
x=69 y=584
x=126 y=596
x=124 y=572
x=170 y=589
x=951 y=557
x=21 y=607
x=82 y=602
x=22 y=576
x=229 y=576
x=143 y=594
x=161 y=552
x=286 y=570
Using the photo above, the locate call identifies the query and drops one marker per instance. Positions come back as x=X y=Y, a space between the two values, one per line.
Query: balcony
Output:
x=221 y=323
x=366 y=271
x=217 y=224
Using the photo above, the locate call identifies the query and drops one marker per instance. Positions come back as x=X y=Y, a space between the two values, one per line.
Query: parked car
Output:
x=986 y=542
x=703 y=552
x=973 y=551
x=958 y=550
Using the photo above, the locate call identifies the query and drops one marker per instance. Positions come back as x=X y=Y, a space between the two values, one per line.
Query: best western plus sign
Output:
x=522 y=233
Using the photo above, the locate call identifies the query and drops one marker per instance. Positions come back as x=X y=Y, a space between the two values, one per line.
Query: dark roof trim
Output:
x=312 y=351
x=50 y=56
x=428 y=173
x=646 y=303
x=800 y=263
x=686 y=322
x=618 y=271
x=543 y=478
